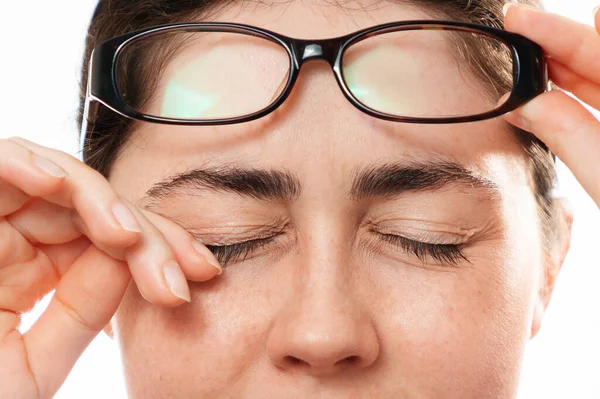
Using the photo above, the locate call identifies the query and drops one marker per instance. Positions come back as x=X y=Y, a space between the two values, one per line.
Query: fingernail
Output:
x=596 y=10
x=522 y=6
x=49 y=167
x=125 y=217
x=176 y=281
x=209 y=256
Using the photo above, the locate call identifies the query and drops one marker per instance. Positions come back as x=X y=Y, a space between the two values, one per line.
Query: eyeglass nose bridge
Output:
x=308 y=50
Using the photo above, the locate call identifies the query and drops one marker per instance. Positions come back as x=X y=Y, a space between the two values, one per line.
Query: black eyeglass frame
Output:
x=530 y=73
x=530 y=70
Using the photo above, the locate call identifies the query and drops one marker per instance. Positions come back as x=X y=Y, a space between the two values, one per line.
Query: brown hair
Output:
x=115 y=17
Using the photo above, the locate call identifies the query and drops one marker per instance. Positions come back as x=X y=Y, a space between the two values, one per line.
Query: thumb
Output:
x=86 y=298
x=569 y=130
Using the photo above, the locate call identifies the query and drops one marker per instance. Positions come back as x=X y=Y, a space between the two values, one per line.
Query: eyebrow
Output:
x=265 y=185
x=383 y=180
x=394 y=179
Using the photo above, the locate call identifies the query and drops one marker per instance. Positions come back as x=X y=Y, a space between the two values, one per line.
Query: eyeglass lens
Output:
x=199 y=75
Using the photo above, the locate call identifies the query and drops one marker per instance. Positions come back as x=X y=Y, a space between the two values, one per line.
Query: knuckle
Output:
x=47 y=152
x=75 y=315
x=96 y=176
x=13 y=155
x=12 y=148
x=17 y=298
x=17 y=140
x=9 y=324
x=10 y=242
x=58 y=154
x=82 y=173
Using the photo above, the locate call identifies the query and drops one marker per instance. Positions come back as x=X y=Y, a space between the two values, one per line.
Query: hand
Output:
x=569 y=129
x=63 y=227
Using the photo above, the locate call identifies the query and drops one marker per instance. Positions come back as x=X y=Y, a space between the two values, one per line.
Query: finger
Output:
x=108 y=221
x=60 y=225
x=85 y=300
x=28 y=172
x=569 y=130
x=154 y=266
x=597 y=18
x=62 y=256
x=197 y=262
x=575 y=45
x=23 y=284
x=27 y=272
x=11 y=198
x=584 y=89
x=43 y=222
x=56 y=235
x=13 y=246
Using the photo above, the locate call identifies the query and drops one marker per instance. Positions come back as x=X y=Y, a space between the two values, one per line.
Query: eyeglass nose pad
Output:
x=317 y=50
x=312 y=51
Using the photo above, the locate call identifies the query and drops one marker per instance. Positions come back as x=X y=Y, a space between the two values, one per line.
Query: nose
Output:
x=323 y=331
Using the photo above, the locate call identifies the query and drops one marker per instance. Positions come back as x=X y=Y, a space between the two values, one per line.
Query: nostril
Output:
x=292 y=360
x=346 y=361
x=349 y=360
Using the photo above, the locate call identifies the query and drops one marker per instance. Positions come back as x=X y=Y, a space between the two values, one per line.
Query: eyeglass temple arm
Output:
x=90 y=110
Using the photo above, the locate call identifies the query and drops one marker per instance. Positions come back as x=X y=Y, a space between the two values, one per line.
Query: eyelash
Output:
x=239 y=251
x=449 y=254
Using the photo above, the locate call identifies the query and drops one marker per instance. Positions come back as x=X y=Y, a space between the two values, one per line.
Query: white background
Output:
x=41 y=44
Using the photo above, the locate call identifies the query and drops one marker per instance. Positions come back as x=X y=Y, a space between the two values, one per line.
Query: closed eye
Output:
x=240 y=251
x=443 y=254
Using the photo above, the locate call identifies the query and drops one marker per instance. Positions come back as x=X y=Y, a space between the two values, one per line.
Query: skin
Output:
x=322 y=294
x=330 y=309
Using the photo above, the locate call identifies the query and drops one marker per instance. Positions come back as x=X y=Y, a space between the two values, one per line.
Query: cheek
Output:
x=206 y=346
x=464 y=331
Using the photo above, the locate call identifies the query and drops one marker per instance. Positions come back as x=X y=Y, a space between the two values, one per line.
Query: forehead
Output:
x=316 y=19
x=317 y=122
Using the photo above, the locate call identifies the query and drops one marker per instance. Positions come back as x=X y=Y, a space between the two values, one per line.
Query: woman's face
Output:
x=329 y=304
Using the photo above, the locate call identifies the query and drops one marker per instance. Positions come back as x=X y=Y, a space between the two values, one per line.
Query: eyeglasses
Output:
x=223 y=73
